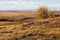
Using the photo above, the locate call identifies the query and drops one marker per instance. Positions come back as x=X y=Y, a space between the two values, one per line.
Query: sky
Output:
x=29 y=4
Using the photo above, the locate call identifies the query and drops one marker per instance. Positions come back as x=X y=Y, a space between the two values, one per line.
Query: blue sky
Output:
x=28 y=4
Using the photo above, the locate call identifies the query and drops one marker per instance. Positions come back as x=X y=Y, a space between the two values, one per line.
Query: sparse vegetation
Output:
x=28 y=28
x=43 y=13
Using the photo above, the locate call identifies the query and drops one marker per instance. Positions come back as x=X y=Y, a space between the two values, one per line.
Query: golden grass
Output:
x=14 y=30
x=40 y=28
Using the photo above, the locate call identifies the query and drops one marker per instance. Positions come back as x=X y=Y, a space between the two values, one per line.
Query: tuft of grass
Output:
x=43 y=13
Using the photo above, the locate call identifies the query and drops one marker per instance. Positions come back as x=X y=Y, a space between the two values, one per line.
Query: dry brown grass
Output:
x=23 y=31
x=43 y=13
x=16 y=15
x=45 y=28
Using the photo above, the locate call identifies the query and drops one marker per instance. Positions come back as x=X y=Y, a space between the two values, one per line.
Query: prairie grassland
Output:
x=45 y=29
x=30 y=25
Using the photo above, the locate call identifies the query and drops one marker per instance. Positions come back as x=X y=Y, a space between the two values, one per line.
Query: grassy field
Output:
x=48 y=29
x=29 y=26
x=17 y=15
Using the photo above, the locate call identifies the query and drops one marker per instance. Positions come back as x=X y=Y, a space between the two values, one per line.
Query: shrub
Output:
x=43 y=13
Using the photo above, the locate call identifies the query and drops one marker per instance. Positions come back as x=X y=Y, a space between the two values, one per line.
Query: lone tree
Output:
x=43 y=13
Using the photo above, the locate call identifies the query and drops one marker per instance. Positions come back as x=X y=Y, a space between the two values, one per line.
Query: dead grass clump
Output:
x=43 y=13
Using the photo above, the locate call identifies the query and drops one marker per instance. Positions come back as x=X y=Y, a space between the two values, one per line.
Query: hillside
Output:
x=47 y=29
x=27 y=26
x=16 y=15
